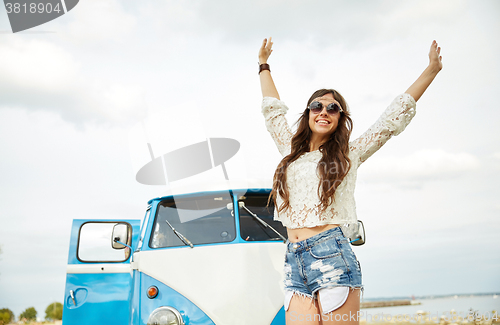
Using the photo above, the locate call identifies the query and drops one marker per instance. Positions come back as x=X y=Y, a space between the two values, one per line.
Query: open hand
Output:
x=265 y=50
x=435 y=60
x=418 y=88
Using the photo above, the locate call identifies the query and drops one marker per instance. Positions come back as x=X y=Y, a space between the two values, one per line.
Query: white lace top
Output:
x=302 y=177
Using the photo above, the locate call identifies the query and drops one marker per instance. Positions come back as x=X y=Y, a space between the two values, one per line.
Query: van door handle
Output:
x=72 y=294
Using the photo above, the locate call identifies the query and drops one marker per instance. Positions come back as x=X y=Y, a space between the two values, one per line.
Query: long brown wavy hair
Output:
x=333 y=166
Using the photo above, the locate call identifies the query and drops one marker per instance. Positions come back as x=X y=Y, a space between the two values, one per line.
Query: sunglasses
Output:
x=332 y=108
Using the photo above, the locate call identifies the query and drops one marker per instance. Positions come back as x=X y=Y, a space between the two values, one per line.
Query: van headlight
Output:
x=165 y=316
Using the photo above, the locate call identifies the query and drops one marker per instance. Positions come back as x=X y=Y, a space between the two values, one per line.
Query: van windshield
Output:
x=201 y=219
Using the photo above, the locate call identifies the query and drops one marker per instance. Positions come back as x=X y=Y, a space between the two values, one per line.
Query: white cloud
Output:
x=418 y=167
x=358 y=23
x=118 y=102
x=39 y=75
x=36 y=65
x=97 y=21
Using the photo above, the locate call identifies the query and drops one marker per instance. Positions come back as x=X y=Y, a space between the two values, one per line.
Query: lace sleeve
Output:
x=392 y=122
x=274 y=111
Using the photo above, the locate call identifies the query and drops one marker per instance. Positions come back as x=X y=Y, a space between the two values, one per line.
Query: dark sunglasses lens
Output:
x=316 y=107
x=333 y=108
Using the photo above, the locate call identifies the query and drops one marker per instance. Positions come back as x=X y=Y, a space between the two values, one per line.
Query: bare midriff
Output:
x=300 y=234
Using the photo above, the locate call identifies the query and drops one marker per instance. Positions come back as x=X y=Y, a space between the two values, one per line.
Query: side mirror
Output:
x=359 y=235
x=121 y=233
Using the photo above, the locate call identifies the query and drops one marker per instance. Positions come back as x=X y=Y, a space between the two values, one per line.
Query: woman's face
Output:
x=324 y=124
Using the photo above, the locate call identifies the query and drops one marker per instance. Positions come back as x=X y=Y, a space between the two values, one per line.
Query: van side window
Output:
x=95 y=243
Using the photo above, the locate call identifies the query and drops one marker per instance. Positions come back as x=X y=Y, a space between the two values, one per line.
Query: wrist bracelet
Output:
x=264 y=66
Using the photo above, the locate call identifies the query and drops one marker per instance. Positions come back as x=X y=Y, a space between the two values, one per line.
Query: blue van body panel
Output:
x=280 y=317
x=104 y=292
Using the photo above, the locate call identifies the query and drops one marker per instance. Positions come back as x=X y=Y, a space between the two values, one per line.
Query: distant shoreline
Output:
x=389 y=303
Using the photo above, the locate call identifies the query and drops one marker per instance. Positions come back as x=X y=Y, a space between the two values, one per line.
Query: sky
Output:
x=82 y=95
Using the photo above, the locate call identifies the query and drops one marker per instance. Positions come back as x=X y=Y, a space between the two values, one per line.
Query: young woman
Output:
x=313 y=190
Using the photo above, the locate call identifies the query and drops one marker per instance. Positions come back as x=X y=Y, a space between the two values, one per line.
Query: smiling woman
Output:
x=313 y=191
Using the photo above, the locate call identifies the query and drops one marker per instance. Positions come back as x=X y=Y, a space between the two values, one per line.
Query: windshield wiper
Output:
x=181 y=236
x=265 y=224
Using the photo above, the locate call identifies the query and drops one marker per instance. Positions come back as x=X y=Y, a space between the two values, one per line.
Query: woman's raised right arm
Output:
x=266 y=81
x=273 y=108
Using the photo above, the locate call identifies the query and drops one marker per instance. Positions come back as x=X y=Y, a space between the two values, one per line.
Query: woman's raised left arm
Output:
x=417 y=89
x=399 y=114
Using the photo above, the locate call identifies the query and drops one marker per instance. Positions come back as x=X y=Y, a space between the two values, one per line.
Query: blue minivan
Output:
x=204 y=257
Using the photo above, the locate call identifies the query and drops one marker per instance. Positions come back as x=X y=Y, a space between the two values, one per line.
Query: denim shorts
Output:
x=325 y=260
